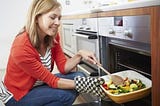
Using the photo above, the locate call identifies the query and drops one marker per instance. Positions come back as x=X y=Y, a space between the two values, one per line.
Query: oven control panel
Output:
x=136 y=28
x=87 y=24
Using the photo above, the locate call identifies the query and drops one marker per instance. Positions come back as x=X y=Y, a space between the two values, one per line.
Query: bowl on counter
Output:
x=130 y=96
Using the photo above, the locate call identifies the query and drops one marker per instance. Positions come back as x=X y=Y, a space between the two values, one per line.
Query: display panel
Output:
x=118 y=21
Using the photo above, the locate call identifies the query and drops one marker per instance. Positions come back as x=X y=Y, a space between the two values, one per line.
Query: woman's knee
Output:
x=68 y=97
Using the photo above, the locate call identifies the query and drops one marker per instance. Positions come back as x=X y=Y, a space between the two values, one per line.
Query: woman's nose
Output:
x=57 y=21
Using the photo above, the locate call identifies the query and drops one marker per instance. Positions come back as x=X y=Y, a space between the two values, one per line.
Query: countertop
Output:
x=128 y=5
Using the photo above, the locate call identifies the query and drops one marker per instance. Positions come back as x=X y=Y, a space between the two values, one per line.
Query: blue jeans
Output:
x=46 y=96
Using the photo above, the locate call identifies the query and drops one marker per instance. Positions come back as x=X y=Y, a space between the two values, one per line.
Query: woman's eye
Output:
x=52 y=18
x=59 y=18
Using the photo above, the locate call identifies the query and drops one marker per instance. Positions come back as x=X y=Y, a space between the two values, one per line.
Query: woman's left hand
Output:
x=89 y=56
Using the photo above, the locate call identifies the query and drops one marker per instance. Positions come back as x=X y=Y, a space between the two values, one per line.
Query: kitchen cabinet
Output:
x=154 y=12
x=68 y=38
x=69 y=41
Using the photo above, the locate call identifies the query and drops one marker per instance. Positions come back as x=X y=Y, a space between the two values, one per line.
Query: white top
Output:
x=46 y=61
x=5 y=95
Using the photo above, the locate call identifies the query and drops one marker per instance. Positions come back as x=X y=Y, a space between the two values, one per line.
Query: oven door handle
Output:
x=85 y=36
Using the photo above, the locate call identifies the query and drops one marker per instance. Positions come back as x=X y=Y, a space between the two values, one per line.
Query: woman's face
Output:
x=49 y=22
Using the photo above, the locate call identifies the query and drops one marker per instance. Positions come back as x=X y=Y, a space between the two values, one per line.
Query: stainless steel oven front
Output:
x=125 y=44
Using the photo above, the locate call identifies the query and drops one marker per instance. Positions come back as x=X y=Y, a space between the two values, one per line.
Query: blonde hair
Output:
x=37 y=8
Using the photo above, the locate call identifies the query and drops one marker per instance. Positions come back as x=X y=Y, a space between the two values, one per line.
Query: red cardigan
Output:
x=24 y=66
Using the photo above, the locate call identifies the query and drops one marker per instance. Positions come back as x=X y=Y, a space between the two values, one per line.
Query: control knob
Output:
x=128 y=33
x=88 y=28
x=111 y=31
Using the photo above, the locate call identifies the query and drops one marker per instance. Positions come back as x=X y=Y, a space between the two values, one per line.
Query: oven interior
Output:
x=122 y=58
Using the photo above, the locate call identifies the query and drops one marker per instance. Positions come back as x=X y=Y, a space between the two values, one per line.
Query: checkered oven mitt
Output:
x=90 y=85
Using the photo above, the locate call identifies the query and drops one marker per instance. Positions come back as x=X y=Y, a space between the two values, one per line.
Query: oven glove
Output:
x=90 y=85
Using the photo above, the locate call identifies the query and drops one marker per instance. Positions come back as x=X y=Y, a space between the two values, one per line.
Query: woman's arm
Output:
x=67 y=65
x=66 y=84
x=72 y=62
x=82 y=54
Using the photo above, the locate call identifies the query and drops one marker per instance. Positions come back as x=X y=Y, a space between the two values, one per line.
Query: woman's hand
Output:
x=90 y=85
x=89 y=56
x=82 y=54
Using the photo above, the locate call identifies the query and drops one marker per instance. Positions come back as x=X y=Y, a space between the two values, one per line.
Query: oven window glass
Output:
x=123 y=59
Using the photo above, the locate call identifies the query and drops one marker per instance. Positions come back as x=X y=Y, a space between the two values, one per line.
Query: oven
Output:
x=87 y=38
x=125 y=45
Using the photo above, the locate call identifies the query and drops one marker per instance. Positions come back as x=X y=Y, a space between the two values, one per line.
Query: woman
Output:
x=28 y=80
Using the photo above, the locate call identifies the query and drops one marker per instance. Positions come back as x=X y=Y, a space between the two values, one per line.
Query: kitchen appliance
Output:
x=125 y=45
x=87 y=39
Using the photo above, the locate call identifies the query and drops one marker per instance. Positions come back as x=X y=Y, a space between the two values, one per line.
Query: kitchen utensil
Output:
x=117 y=80
x=130 y=96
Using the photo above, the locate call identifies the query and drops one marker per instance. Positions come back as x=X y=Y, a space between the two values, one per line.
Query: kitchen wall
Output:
x=74 y=6
x=13 y=14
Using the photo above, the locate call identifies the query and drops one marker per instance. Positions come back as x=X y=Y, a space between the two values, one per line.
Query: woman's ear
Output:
x=36 y=19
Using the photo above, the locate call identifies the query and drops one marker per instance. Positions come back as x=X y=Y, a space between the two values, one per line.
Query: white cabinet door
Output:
x=69 y=41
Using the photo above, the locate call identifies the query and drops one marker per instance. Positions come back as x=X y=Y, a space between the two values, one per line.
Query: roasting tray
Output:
x=126 y=97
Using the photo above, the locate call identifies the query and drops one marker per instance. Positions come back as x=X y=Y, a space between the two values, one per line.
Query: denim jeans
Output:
x=44 y=95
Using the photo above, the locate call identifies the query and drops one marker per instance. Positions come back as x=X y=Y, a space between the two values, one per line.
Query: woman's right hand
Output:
x=90 y=85
x=89 y=56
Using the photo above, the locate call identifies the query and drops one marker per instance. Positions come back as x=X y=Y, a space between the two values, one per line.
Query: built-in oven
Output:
x=87 y=39
x=125 y=45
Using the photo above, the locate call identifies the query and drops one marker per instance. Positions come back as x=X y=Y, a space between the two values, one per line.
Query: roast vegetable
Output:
x=128 y=86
